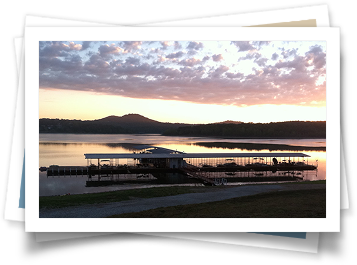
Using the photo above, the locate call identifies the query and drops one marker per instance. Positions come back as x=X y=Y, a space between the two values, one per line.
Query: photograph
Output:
x=182 y=129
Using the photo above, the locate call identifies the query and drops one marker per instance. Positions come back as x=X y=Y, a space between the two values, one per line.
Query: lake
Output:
x=69 y=150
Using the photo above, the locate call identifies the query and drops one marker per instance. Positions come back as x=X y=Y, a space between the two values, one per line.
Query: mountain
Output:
x=128 y=118
x=129 y=123
x=228 y=122
x=136 y=123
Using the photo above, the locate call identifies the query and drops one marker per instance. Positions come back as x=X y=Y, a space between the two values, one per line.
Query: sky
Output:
x=184 y=81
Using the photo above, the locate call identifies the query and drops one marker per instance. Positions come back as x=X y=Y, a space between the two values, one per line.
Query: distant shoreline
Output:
x=218 y=137
x=138 y=124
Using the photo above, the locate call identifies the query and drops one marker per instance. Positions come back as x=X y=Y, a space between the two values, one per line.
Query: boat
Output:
x=257 y=164
x=232 y=164
x=143 y=176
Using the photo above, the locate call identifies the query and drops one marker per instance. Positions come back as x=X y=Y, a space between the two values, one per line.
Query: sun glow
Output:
x=89 y=106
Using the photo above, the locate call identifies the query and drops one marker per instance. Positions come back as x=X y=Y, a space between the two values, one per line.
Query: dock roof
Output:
x=191 y=155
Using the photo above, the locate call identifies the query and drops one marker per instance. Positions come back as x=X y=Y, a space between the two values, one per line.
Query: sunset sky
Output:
x=184 y=81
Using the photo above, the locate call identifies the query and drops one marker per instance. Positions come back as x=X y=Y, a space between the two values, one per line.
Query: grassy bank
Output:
x=310 y=182
x=283 y=204
x=116 y=196
x=51 y=202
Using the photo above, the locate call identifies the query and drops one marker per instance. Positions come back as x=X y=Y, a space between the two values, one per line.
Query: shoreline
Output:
x=198 y=136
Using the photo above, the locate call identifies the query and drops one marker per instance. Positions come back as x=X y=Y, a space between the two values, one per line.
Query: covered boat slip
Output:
x=205 y=167
x=206 y=161
x=151 y=158
x=189 y=155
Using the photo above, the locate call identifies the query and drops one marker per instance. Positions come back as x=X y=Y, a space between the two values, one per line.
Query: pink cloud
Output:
x=169 y=72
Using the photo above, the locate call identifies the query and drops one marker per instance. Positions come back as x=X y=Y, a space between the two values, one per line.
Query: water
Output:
x=69 y=150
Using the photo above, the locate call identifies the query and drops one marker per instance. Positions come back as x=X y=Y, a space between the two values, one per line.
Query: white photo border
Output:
x=329 y=224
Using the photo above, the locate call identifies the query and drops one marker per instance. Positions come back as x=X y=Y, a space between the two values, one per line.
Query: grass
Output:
x=282 y=204
x=50 y=202
x=116 y=196
x=309 y=182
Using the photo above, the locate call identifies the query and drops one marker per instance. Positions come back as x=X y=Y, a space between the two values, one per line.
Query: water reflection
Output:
x=260 y=146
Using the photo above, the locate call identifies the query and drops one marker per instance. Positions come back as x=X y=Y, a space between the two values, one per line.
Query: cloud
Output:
x=299 y=64
x=160 y=59
x=175 y=55
x=290 y=78
x=243 y=46
x=85 y=45
x=317 y=56
x=261 y=43
x=190 y=62
x=54 y=49
x=256 y=57
x=219 y=71
x=275 y=56
x=68 y=65
x=261 y=61
x=217 y=57
x=272 y=71
x=58 y=48
x=288 y=53
x=132 y=60
x=192 y=52
x=165 y=44
x=193 y=45
x=177 y=45
x=107 y=50
x=236 y=75
x=250 y=56
x=96 y=65
x=130 y=45
x=206 y=58
x=75 y=46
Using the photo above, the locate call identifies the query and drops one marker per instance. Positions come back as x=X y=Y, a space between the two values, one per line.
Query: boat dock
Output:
x=65 y=170
x=152 y=161
x=193 y=172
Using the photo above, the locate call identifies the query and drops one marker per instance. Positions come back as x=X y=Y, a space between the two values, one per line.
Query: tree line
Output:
x=289 y=129
x=102 y=127
x=78 y=126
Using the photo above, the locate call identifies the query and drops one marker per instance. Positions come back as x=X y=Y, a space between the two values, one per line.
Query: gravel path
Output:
x=137 y=205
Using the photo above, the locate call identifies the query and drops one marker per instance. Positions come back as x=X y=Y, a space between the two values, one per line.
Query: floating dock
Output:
x=66 y=170
x=107 y=168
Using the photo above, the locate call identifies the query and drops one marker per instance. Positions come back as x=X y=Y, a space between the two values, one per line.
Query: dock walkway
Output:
x=67 y=171
x=191 y=172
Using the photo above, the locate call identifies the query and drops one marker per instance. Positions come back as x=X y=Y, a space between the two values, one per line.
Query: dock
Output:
x=66 y=171
x=192 y=172
x=110 y=168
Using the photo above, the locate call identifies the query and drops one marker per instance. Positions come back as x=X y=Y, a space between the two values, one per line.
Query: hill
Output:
x=228 y=122
x=130 y=123
x=128 y=118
